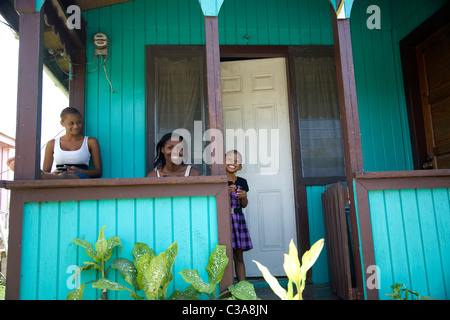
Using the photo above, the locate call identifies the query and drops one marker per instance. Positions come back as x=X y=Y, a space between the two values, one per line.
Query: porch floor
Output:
x=311 y=292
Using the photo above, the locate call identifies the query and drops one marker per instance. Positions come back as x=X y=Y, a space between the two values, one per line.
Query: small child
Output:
x=237 y=189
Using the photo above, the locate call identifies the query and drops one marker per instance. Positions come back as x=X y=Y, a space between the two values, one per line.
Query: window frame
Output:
x=151 y=52
x=305 y=51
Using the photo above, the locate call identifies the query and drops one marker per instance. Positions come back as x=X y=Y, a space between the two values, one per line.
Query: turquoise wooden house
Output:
x=340 y=109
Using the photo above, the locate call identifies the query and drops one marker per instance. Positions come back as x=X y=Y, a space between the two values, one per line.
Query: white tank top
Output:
x=186 y=173
x=81 y=156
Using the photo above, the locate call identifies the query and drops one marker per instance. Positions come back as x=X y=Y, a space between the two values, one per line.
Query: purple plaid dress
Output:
x=239 y=230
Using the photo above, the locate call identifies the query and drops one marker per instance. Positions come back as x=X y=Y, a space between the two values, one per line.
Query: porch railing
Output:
x=47 y=214
x=338 y=239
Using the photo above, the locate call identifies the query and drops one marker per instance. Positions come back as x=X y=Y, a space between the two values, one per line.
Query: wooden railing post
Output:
x=214 y=85
x=351 y=135
x=29 y=92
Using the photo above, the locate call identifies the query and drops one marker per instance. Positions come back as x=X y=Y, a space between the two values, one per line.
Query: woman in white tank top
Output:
x=168 y=160
x=72 y=152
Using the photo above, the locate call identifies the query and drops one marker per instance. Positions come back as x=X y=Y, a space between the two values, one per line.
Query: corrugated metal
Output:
x=412 y=240
x=49 y=227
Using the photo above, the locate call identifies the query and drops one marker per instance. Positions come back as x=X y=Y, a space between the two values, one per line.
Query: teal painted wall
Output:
x=49 y=228
x=118 y=120
x=385 y=136
x=275 y=22
x=320 y=271
x=412 y=240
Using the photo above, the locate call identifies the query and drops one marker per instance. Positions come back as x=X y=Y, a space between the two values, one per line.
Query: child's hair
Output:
x=159 y=158
x=236 y=153
x=69 y=110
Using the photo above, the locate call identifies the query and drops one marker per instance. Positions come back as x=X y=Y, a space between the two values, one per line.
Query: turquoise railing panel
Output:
x=49 y=256
x=412 y=240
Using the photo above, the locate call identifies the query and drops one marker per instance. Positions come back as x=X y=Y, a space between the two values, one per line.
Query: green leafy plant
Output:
x=152 y=273
x=217 y=263
x=295 y=272
x=398 y=290
x=149 y=272
x=99 y=255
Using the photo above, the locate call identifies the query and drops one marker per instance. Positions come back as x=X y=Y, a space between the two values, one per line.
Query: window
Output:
x=317 y=116
x=176 y=94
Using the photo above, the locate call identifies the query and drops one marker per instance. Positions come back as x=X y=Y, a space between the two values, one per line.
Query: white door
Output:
x=255 y=110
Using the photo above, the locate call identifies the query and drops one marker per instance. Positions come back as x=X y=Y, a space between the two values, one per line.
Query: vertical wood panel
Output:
x=30 y=252
x=48 y=254
x=88 y=231
x=50 y=227
x=118 y=51
x=381 y=242
x=183 y=236
x=145 y=221
x=317 y=231
x=126 y=230
x=431 y=242
x=411 y=240
x=413 y=237
x=68 y=230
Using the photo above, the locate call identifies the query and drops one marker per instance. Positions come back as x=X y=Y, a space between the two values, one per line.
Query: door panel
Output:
x=255 y=101
x=433 y=57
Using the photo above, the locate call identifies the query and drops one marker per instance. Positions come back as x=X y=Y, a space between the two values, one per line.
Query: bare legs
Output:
x=239 y=265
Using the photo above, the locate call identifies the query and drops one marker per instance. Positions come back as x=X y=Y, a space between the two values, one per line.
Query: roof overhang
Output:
x=63 y=46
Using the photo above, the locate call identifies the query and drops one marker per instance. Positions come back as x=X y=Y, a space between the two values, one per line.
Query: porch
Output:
x=193 y=211
x=119 y=120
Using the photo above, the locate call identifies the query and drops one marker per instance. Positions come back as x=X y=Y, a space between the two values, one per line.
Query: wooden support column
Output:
x=29 y=92
x=214 y=84
x=350 y=128
x=77 y=87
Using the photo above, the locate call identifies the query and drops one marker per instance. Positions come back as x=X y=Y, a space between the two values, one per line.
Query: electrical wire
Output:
x=106 y=74
x=5 y=24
